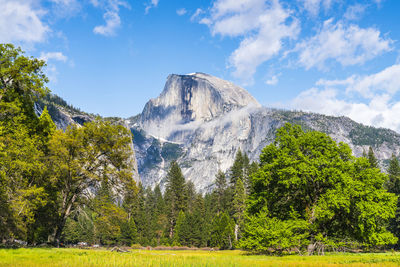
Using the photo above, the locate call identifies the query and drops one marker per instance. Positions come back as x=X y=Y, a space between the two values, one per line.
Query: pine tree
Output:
x=129 y=232
x=393 y=186
x=372 y=159
x=180 y=233
x=222 y=232
x=393 y=183
x=252 y=169
x=239 y=206
x=237 y=168
x=175 y=195
x=220 y=189
x=161 y=218
x=190 y=196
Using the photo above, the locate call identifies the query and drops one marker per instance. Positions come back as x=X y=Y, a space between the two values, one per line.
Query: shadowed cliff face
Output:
x=201 y=121
x=193 y=98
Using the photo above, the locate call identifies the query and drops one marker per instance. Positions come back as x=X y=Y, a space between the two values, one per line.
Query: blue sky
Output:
x=111 y=56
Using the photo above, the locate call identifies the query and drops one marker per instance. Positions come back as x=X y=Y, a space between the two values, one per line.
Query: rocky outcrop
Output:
x=201 y=121
x=187 y=101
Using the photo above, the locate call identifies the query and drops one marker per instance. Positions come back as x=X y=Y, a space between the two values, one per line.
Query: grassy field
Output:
x=79 y=257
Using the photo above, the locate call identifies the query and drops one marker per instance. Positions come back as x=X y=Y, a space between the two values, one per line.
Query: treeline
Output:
x=178 y=217
x=306 y=194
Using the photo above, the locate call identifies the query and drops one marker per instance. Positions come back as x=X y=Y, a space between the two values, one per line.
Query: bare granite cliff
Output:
x=201 y=121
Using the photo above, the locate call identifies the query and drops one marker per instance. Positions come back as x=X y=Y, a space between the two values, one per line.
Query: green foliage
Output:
x=306 y=177
x=239 y=206
x=220 y=190
x=362 y=135
x=267 y=235
x=171 y=151
x=393 y=186
x=84 y=157
x=175 y=196
x=373 y=161
x=222 y=231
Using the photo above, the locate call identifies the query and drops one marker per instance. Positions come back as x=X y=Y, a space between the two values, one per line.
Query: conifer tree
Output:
x=393 y=186
x=372 y=159
x=190 y=196
x=237 y=169
x=175 y=195
x=180 y=230
x=222 y=233
x=239 y=206
x=220 y=190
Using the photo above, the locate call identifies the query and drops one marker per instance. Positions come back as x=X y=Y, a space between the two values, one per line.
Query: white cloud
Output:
x=58 y=56
x=273 y=80
x=313 y=6
x=65 y=8
x=376 y=107
x=153 y=3
x=354 y=12
x=111 y=16
x=346 y=44
x=181 y=11
x=262 y=25
x=21 y=22
x=196 y=14
x=112 y=20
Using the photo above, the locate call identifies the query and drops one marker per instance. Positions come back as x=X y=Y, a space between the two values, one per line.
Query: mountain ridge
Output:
x=199 y=121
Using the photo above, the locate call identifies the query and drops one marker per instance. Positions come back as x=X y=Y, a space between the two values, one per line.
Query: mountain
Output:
x=64 y=115
x=201 y=121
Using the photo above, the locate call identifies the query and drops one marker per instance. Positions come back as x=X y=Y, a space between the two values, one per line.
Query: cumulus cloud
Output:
x=314 y=6
x=196 y=15
x=386 y=81
x=65 y=8
x=345 y=44
x=20 y=21
x=354 y=12
x=181 y=11
x=58 y=56
x=262 y=25
x=272 y=81
x=151 y=4
x=111 y=16
x=368 y=99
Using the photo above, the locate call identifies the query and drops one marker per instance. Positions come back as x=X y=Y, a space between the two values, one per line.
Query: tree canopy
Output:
x=319 y=193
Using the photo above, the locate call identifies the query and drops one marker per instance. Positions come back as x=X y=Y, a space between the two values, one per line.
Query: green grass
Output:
x=79 y=257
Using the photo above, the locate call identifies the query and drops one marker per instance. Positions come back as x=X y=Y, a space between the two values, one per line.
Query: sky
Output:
x=109 y=57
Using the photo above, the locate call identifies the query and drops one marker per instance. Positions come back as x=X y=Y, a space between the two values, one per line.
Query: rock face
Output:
x=201 y=121
x=187 y=101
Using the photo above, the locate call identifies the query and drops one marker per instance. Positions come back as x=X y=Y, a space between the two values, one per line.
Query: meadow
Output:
x=43 y=257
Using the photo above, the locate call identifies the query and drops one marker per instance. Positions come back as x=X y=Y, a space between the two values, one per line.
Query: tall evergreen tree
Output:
x=220 y=190
x=175 y=195
x=237 y=169
x=190 y=196
x=222 y=231
x=373 y=161
x=161 y=217
x=393 y=186
x=239 y=206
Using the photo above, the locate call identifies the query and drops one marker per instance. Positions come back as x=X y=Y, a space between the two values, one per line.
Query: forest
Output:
x=306 y=194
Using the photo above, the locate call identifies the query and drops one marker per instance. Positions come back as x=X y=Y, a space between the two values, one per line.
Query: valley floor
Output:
x=80 y=257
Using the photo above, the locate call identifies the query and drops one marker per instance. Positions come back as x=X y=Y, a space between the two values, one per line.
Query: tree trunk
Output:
x=311 y=248
x=65 y=212
x=236 y=231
